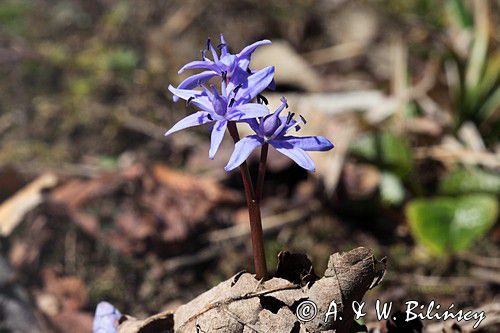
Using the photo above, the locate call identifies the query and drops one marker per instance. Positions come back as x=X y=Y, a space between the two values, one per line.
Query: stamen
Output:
x=189 y=100
x=303 y=119
x=203 y=54
x=259 y=96
x=209 y=116
x=224 y=75
x=208 y=44
x=283 y=100
x=289 y=117
x=221 y=45
x=297 y=128
x=237 y=88
x=231 y=102
x=249 y=71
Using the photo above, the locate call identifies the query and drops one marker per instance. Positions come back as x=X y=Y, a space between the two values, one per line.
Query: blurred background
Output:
x=95 y=204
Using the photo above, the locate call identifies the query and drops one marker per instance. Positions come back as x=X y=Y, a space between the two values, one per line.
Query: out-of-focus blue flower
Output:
x=106 y=318
x=234 y=67
x=273 y=129
x=232 y=105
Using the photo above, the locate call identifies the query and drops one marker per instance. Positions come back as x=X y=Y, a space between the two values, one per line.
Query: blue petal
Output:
x=255 y=84
x=200 y=98
x=244 y=55
x=106 y=318
x=242 y=150
x=195 y=119
x=308 y=143
x=254 y=125
x=216 y=138
x=199 y=64
x=194 y=81
x=298 y=155
x=224 y=48
x=247 y=111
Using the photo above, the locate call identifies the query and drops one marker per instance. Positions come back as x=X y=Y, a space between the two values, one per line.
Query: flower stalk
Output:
x=253 y=204
x=262 y=171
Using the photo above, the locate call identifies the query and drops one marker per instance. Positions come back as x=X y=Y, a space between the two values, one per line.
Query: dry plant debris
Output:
x=244 y=304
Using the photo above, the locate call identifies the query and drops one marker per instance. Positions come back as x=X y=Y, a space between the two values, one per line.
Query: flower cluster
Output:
x=239 y=87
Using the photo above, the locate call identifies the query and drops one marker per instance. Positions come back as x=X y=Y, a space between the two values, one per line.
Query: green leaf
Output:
x=459 y=13
x=470 y=180
x=387 y=150
x=446 y=225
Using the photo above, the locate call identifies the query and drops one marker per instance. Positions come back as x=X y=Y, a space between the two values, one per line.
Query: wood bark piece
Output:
x=243 y=304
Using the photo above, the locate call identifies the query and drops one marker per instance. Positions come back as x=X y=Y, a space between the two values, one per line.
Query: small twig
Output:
x=486 y=275
x=335 y=53
x=270 y=224
x=490 y=262
x=466 y=156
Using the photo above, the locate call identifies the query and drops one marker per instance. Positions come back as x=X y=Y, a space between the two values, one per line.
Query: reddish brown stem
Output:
x=262 y=172
x=259 y=257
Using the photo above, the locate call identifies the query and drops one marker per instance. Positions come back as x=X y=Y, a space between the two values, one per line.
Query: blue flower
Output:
x=233 y=66
x=272 y=129
x=106 y=318
x=232 y=105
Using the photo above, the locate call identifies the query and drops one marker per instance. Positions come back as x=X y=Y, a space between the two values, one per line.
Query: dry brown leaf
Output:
x=74 y=322
x=244 y=304
x=291 y=68
x=13 y=210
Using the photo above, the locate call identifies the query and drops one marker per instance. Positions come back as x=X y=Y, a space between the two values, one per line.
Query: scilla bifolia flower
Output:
x=106 y=318
x=233 y=104
x=232 y=66
x=273 y=129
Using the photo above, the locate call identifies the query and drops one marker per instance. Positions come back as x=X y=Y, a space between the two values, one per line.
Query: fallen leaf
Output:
x=13 y=209
x=290 y=68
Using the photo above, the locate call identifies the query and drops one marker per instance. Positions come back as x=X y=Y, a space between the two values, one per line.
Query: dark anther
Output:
x=189 y=100
x=208 y=44
x=249 y=71
x=237 y=88
x=209 y=116
x=303 y=119
x=220 y=46
x=263 y=99
x=286 y=105
x=224 y=75
x=231 y=102
x=289 y=117
x=199 y=82
x=297 y=128
x=203 y=54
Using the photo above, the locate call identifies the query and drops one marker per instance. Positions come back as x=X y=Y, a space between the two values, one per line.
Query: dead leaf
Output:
x=13 y=210
x=244 y=304
x=290 y=68
x=74 y=322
